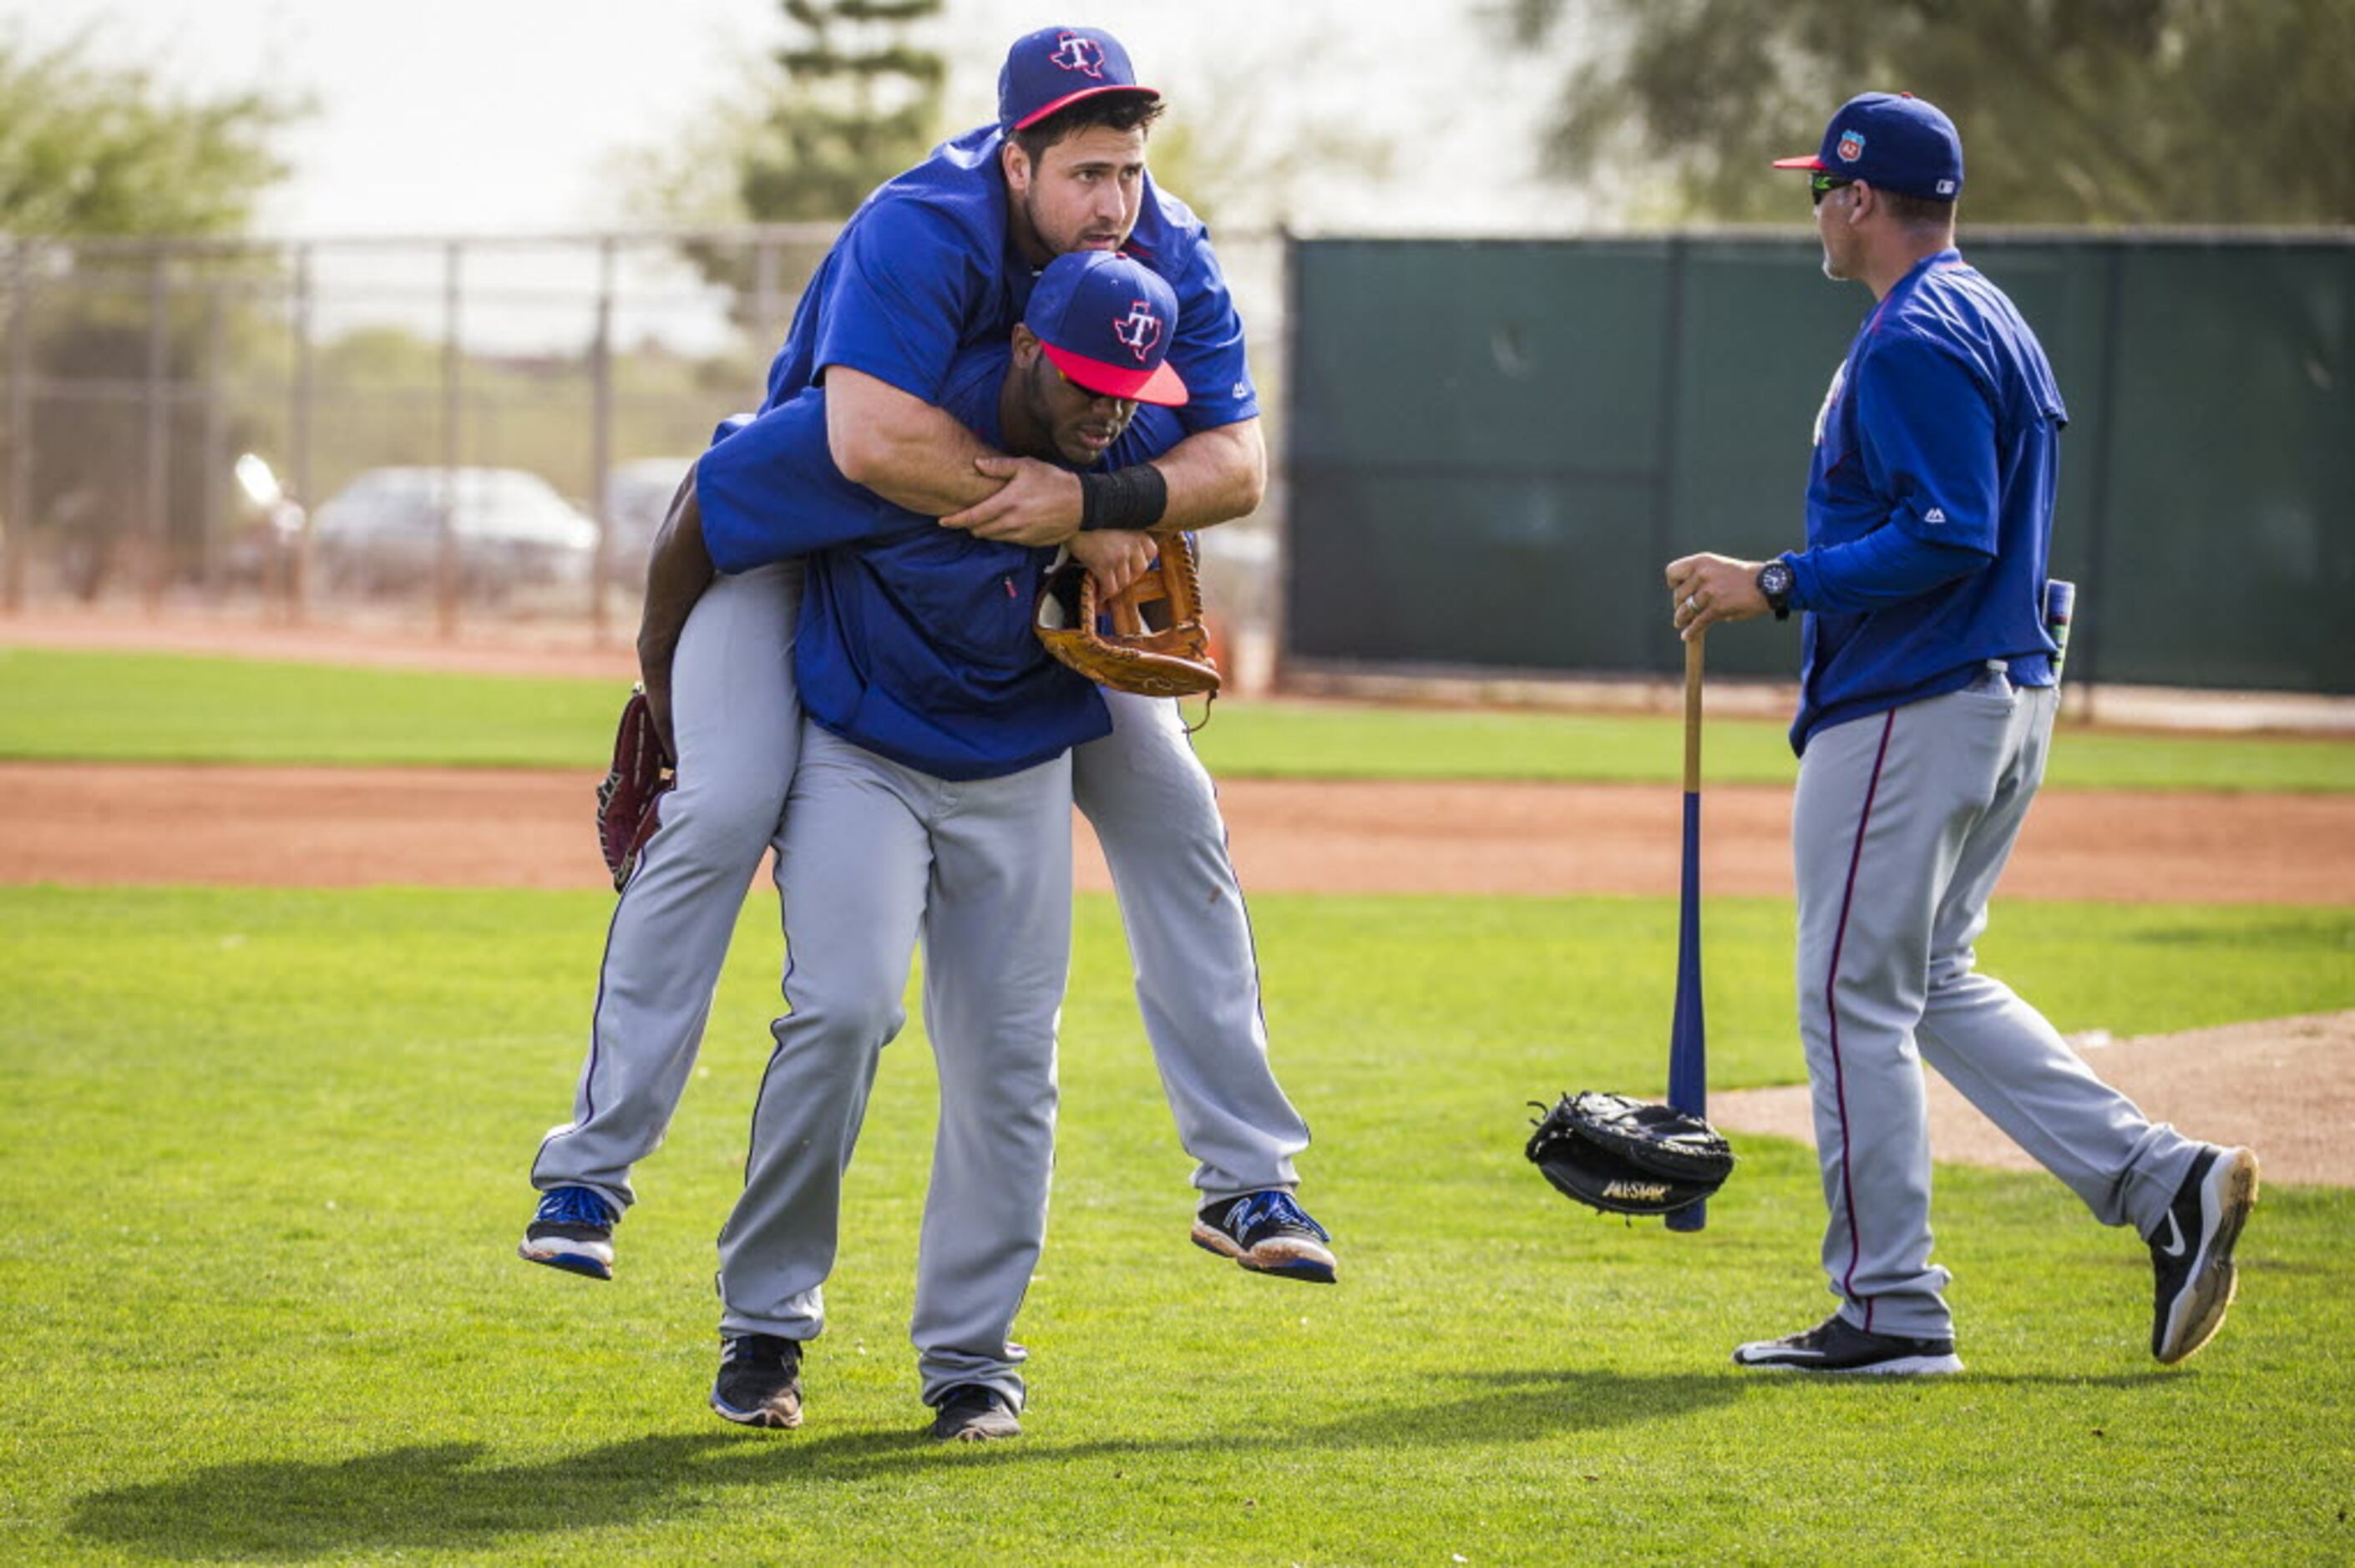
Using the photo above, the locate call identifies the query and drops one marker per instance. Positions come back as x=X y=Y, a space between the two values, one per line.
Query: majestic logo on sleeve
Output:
x=1140 y=329
x=1077 y=51
x=1851 y=148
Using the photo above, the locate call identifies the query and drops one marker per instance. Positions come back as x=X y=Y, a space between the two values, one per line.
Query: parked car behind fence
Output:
x=382 y=532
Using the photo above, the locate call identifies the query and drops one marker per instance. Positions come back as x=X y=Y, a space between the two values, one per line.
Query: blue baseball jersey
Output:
x=915 y=640
x=926 y=267
x=1929 y=503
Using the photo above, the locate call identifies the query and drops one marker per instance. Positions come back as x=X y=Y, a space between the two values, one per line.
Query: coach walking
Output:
x=1928 y=687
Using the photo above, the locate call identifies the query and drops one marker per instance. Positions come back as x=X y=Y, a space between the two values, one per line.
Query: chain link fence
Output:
x=424 y=429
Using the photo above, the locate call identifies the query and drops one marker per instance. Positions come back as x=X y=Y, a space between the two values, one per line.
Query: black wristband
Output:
x=1133 y=497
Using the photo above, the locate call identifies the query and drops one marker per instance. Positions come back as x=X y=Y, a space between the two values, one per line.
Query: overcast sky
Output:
x=474 y=116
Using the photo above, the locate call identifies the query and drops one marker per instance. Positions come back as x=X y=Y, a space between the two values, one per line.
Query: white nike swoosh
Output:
x=2174 y=1248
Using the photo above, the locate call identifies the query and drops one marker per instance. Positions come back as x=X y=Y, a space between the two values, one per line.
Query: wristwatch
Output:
x=1775 y=582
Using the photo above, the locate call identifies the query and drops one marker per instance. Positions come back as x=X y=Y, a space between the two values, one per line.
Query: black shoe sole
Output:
x=1901 y=1366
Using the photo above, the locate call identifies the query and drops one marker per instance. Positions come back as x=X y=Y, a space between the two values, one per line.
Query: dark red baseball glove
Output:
x=629 y=802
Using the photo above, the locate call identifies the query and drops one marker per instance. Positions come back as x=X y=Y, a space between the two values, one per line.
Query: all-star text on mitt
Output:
x=1624 y=1156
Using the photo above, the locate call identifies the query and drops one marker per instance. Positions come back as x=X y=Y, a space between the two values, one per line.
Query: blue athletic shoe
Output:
x=573 y=1229
x=1267 y=1233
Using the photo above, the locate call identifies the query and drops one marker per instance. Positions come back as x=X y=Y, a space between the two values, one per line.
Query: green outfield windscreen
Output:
x=1494 y=446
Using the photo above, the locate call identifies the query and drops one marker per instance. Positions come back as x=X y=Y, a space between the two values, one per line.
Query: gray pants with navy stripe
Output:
x=875 y=857
x=1900 y=826
x=1142 y=789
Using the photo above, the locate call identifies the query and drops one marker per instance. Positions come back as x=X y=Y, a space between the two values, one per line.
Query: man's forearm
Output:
x=679 y=568
x=1214 y=475
x=903 y=448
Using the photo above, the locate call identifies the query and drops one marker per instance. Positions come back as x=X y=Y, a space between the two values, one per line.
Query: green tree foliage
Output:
x=860 y=101
x=94 y=152
x=86 y=148
x=2098 y=112
x=853 y=101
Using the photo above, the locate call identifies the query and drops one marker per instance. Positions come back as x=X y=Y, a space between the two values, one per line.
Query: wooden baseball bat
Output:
x=1688 y=1045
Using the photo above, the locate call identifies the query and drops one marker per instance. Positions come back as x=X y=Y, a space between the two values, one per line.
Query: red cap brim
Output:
x=1068 y=99
x=1811 y=161
x=1160 y=385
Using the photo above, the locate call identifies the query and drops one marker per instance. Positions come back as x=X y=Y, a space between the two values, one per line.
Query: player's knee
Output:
x=843 y=1020
x=723 y=823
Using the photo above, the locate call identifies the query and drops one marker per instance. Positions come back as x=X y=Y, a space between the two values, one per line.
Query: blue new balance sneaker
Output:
x=573 y=1229
x=1267 y=1233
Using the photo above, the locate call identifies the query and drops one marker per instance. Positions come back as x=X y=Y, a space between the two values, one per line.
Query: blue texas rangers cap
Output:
x=1893 y=141
x=1106 y=321
x=1056 y=65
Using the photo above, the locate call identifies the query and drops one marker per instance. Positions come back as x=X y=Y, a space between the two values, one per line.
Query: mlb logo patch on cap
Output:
x=1851 y=146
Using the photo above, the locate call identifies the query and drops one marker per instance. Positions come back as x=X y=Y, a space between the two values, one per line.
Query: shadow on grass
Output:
x=439 y=1497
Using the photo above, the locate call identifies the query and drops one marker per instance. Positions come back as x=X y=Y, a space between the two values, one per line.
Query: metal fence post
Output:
x=211 y=554
x=298 y=569
x=2085 y=636
x=765 y=290
x=158 y=526
x=18 y=524
x=600 y=439
x=1672 y=337
x=445 y=566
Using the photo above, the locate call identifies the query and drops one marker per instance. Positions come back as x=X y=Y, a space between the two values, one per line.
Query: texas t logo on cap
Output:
x=1056 y=66
x=1103 y=320
x=1140 y=329
x=1077 y=51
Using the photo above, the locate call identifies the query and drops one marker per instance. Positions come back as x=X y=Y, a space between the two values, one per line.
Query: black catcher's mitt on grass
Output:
x=1626 y=1157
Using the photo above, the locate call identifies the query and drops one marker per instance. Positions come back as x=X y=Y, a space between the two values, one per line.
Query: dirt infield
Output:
x=323 y=827
x=2216 y=1084
x=2284 y=1086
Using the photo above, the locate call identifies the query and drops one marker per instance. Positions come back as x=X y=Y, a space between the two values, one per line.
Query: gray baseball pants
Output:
x=1142 y=787
x=737 y=719
x=1900 y=826
x=875 y=857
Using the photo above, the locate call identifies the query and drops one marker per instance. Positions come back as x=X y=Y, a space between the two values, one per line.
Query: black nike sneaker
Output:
x=2191 y=1251
x=1835 y=1345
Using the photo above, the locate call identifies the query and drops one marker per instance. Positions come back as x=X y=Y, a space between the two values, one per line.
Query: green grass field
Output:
x=266 y=1173
x=131 y=707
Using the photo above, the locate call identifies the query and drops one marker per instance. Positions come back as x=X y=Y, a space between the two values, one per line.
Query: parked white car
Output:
x=383 y=530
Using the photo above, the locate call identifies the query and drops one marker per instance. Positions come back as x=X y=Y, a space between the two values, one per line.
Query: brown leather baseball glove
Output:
x=629 y=802
x=1147 y=639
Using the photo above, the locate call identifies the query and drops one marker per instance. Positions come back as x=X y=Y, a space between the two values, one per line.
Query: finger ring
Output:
x=1692 y=601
